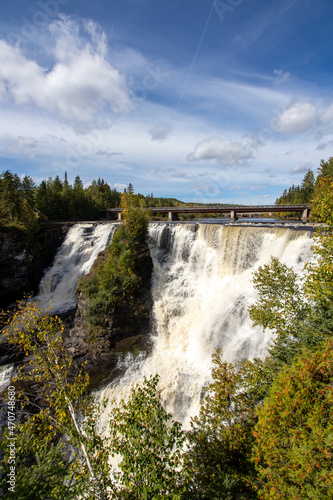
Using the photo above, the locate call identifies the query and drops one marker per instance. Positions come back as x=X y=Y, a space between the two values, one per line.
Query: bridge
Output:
x=231 y=211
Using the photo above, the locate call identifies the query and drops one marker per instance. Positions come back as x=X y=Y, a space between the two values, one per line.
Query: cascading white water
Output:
x=75 y=257
x=77 y=254
x=202 y=289
x=6 y=372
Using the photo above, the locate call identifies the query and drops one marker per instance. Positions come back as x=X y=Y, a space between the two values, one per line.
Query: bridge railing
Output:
x=233 y=210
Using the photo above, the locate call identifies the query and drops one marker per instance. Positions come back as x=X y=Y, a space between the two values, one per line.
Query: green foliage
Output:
x=294 y=447
x=136 y=228
x=16 y=201
x=294 y=435
x=116 y=277
x=109 y=282
x=322 y=209
x=56 y=199
x=319 y=279
x=299 y=194
x=218 y=463
x=298 y=309
x=63 y=408
x=281 y=307
x=45 y=475
x=10 y=195
x=149 y=443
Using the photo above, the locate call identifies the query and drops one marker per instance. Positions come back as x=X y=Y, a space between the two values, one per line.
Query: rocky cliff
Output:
x=23 y=259
x=22 y=264
x=128 y=327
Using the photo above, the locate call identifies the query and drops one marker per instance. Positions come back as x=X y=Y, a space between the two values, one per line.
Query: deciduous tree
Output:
x=63 y=409
x=149 y=443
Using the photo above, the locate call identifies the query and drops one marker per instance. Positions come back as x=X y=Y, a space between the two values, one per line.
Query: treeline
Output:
x=297 y=195
x=24 y=203
x=318 y=192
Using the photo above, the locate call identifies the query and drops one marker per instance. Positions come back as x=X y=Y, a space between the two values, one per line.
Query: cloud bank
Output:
x=225 y=152
x=77 y=85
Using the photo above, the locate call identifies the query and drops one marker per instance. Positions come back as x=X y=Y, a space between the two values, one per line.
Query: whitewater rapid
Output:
x=202 y=287
x=75 y=257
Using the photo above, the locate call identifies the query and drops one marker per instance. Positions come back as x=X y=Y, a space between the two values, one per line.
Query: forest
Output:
x=299 y=194
x=265 y=426
x=24 y=204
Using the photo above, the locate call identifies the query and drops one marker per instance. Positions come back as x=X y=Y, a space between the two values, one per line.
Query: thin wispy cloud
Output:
x=301 y=167
x=160 y=132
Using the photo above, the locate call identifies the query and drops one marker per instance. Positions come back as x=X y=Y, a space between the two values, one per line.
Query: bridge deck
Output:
x=222 y=209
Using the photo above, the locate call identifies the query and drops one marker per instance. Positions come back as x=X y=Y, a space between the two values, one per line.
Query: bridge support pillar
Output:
x=119 y=215
x=305 y=214
x=173 y=216
x=233 y=215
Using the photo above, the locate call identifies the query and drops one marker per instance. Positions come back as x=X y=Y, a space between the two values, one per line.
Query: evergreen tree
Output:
x=322 y=209
x=294 y=446
x=218 y=463
x=10 y=198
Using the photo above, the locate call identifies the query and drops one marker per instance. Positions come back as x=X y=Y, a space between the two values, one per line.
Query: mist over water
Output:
x=202 y=287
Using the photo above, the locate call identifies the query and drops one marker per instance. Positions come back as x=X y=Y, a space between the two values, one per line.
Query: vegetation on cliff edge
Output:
x=115 y=276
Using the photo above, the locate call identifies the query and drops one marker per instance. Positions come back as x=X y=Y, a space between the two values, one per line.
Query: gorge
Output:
x=201 y=289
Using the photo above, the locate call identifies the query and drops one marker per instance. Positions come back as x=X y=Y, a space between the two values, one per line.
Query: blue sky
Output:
x=202 y=100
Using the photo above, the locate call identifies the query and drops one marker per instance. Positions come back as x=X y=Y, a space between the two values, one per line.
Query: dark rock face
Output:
x=129 y=327
x=22 y=262
x=22 y=266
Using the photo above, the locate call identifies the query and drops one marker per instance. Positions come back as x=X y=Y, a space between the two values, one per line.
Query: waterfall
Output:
x=75 y=257
x=202 y=289
x=6 y=372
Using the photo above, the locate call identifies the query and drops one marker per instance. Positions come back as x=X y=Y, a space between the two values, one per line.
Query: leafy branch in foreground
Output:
x=149 y=443
x=298 y=309
x=58 y=409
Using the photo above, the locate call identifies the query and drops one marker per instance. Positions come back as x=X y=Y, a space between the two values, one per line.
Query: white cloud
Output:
x=301 y=167
x=226 y=153
x=160 y=132
x=80 y=81
x=120 y=187
x=20 y=142
x=299 y=117
x=171 y=172
x=108 y=154
x=281 y=77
